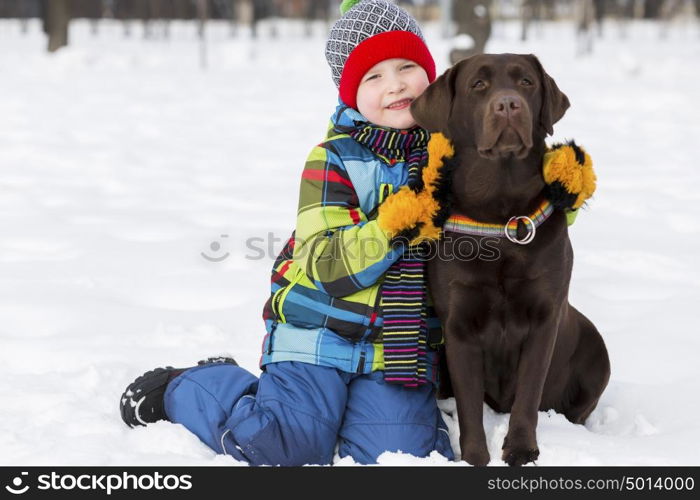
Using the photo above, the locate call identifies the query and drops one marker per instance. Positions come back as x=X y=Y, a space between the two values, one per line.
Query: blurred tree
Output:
x=202 y=15
x=148 y=10
x=88 y=9
x=22 y=9
x=652 y=9
x=585 y=16
x=262 y=9
x=600 y=11
x=670 y=10
x=225 y=9
x=473 y=18
x=55 y=16
x=535 y=10
x=124 y=11
x=316 y=9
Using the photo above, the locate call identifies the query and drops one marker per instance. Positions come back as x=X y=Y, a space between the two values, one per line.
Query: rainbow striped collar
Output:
x=462 y=224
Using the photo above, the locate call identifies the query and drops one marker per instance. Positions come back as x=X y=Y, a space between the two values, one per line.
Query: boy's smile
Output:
x=386 y=91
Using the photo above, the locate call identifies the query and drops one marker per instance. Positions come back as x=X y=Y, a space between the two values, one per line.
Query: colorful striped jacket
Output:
x=324 y=306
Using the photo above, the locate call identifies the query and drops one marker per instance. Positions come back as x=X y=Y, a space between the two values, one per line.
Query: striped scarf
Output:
x=404 y=292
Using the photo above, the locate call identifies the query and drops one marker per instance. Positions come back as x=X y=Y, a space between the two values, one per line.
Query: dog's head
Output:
x=498 y=104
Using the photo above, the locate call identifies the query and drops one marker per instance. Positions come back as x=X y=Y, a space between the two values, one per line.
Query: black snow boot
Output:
x=142 y=401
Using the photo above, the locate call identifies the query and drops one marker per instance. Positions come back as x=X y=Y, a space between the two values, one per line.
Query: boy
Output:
x=347 y=357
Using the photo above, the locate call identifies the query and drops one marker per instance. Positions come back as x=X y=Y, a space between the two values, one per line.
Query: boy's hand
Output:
x=410 y=215
x=407 y=214
x=568 y=173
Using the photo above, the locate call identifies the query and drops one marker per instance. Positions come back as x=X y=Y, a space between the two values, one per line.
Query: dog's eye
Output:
x=526 y=82
x=479 y=85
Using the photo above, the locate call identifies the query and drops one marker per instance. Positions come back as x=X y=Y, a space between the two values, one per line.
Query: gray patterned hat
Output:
x=368 y=32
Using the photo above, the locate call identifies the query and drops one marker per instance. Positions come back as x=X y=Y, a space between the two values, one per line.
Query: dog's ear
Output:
x=432 y=108
x=554 y=101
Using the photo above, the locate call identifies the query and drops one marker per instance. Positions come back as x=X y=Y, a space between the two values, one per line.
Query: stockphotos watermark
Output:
x=107 y=483
x=361 y=249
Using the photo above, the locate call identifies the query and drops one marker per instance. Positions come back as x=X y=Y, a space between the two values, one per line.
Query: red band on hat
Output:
x=387 y=45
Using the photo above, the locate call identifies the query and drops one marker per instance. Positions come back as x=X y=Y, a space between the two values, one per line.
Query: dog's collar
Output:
x=462 y=224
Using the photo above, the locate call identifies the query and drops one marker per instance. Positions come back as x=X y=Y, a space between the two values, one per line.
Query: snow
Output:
x=121 y=162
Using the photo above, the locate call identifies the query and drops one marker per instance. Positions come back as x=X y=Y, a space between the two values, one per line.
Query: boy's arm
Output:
x=340 y=250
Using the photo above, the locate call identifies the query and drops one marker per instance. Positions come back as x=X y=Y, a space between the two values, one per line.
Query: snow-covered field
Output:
x=122 y=162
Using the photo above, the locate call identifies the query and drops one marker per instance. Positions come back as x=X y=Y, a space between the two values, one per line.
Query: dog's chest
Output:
x=513 y=302
x=499 y=300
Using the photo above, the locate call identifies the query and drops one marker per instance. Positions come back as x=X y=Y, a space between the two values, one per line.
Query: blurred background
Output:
x=472 y=18
x=150 y=156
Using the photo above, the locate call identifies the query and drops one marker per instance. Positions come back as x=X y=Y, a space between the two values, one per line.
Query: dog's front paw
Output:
x=476 y=455
x=519 y=451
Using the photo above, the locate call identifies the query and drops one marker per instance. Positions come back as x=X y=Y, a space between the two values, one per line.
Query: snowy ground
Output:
x=121 y=162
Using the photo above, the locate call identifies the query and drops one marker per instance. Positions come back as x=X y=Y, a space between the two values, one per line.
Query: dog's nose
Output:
x=507 y=105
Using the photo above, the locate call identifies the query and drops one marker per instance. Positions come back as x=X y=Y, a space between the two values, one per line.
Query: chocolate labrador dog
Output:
x=511 y=337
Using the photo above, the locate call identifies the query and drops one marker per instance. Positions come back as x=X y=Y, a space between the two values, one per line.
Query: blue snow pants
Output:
x=297 y=412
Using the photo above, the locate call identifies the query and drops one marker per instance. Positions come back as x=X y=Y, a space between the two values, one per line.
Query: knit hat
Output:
x=368 y=32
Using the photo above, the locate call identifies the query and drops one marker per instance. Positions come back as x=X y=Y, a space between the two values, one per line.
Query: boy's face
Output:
x=386 y=91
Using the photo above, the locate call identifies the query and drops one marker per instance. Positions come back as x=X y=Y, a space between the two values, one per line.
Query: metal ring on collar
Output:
x=531 y=230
